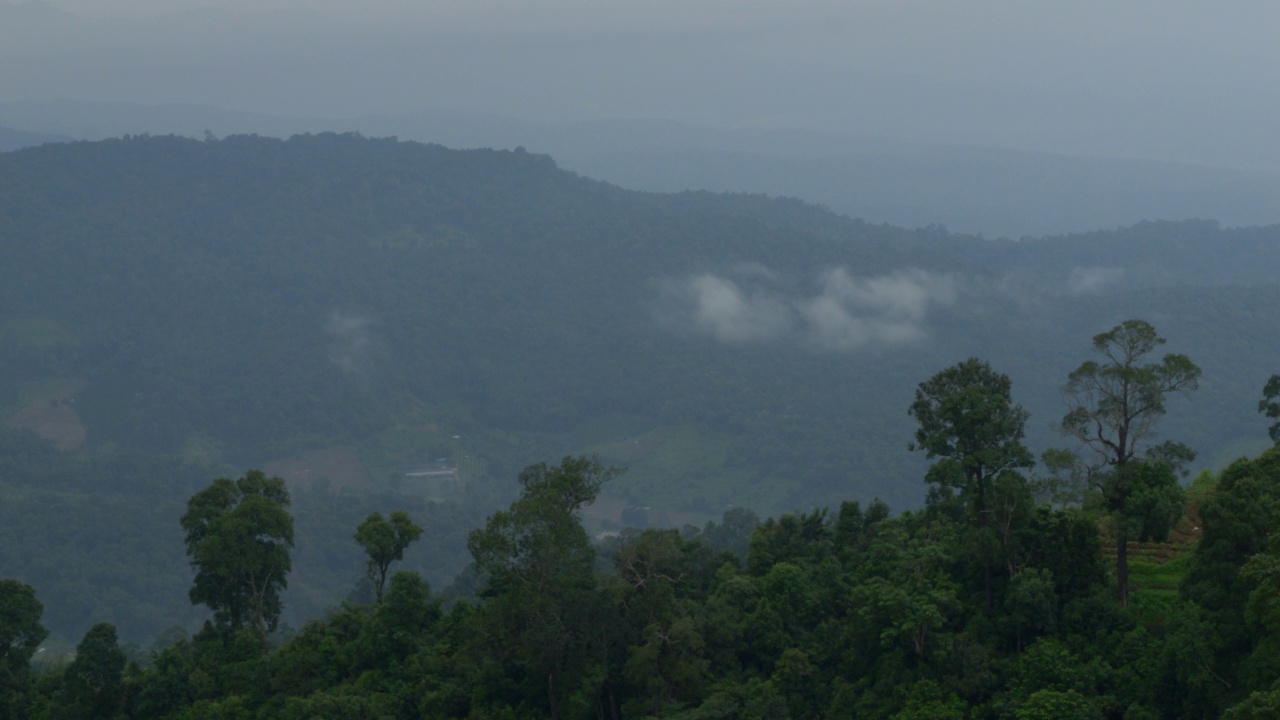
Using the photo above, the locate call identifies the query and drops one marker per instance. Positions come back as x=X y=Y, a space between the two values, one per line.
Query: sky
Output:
x=1174 y=80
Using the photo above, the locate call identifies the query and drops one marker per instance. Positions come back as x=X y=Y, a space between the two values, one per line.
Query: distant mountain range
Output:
x=993 y=191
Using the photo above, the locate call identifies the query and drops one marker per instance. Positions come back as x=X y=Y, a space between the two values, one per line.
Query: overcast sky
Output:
x=1163 y=79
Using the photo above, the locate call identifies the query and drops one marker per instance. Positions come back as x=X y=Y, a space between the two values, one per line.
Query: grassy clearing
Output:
x=1156 y=569
x=1158 y=578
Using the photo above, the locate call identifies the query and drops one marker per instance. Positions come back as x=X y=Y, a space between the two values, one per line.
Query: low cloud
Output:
x=841 y=312
x=732 y=314
x=888 y=310
x=1090 y=280
x=350 y=341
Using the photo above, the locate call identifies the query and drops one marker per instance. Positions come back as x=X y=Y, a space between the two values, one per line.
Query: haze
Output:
x=1180 y=81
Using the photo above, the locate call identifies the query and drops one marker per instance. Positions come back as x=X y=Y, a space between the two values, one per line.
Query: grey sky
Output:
x=1164 y=79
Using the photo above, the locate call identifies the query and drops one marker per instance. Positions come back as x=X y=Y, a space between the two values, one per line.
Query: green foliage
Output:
x=1238 y=522
x=540 y=587
x=927 y=700
x=238 y=536
x=1113 y=409
x=20 y=636
x=385 y=287
x=733 y=533
x=967 y=418
x=384 y=541
x=1031 y=605
x=20 y=629
x=1115 y=404
x=1056 y=705
x=1258 y=706
x=905 y=594
x=1269 y=405
x=859 y=614
x=93 y=684
x=966 y=414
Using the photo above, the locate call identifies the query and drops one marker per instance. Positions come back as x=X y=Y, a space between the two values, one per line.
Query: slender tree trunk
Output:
x=551 y=694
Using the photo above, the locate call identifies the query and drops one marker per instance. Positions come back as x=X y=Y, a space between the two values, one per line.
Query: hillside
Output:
x=356 y=314
x=257 y=298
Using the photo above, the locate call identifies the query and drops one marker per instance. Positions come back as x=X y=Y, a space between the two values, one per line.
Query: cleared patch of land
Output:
x=339 y=467
x=48 y=410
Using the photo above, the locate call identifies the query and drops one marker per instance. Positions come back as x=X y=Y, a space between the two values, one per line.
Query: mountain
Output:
x=376 y=318
x=985 y=190
x=273 y=295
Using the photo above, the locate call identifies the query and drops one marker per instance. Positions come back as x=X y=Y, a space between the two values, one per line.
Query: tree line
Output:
x=992 y=601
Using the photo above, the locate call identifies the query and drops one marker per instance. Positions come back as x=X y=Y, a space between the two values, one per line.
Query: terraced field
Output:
x=1156 y=569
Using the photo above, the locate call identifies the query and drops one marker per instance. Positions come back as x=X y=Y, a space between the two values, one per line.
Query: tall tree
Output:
x=1269 y=405
x=384 y=541
x=20 y=636
x=92 y=686
x=540 y=583
x=1113 y=407
x=968 y=419
x=239 y=533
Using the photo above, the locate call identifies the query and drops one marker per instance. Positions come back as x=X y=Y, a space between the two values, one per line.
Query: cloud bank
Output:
x=842 y=312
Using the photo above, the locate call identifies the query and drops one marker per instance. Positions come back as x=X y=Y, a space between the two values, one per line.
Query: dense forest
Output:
x=396 y=327
x=998 y=599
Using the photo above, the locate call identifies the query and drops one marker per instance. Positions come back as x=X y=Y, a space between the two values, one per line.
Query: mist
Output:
x=842 y=312
x=994 y=117
x=1174 y=81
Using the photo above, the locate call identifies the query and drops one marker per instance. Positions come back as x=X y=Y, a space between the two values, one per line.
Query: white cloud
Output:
x=845 y=313
x=887 y=310
x=732 y=314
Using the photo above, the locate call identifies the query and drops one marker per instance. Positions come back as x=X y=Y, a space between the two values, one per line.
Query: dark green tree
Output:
x=1269 y=405
x=1258 y=706
x=238 y=536
x=1238 y=522
x=968 y=419
x=20 y=636
x=904 y=594
x=384 y=541
x=541 y=588
x=1113 y=409
x=92 y=685
x=665 y=667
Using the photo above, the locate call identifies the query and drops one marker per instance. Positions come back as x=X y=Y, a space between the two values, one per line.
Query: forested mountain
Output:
x=878 y=177
x=371 y=316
